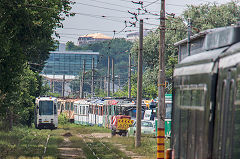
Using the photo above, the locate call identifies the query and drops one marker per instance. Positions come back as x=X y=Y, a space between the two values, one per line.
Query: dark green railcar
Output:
x=206 y=99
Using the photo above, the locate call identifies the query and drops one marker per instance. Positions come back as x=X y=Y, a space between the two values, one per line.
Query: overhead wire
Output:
x=101 y=7
x=112 y=4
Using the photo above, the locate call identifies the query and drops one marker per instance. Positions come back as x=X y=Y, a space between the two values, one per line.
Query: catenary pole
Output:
x=129 y=76
x=112 y=75
x=92 y=86
x=161 y=86
x=108 y=78
x=139 y=87
x=82 y=81
x=63 y=86
x=189 y=37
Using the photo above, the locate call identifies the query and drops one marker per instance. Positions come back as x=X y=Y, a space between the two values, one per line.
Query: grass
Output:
x=94 y=145
x=148 y=145
x=84 y=129
x=23 y=142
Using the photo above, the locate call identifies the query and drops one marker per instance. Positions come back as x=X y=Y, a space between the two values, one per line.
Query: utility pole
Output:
x=92 y=86
x=108 y=78
x=161 y=86
x=189 y=37
x=139 y=87
x=112 y=75
x=53 y=85
x=129 y=76
x=82 y=81
x=119 y=82
x=63 y=86
x=105 y=84
x=100 y=83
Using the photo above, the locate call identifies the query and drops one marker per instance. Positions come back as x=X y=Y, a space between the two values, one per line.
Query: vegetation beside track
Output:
x=148 y=146
x=30 y=142
x=27 y=142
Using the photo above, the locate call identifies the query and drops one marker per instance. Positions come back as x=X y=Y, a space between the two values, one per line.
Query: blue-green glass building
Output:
x=69 y=62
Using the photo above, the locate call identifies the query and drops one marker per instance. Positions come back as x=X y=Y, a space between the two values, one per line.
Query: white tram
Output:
x=81 y=112
x=46 y=116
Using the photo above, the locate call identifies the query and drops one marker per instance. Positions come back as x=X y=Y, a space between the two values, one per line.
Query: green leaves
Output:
x=203 y=17
x=26 y=27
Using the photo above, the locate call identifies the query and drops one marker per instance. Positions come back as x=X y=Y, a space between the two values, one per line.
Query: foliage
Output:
x=22 y=141
x=118 y=49
x=208 y=16
x=26 y=28
x=62 y=119
x=205 y=16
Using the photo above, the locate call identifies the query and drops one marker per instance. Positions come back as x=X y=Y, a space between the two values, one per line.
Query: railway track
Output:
x=96 y=140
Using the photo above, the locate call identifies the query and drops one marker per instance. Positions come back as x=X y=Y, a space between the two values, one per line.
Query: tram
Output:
x=46 y=116
x=206 y=99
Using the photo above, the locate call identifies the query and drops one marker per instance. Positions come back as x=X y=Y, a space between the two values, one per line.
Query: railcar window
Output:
x=238 y=93
x=186 y=97
x=168 y=110
x=236 y=128
x=197 y=97
x=75 y=109
x=83 y=111
x=46 y=108
x=55 y=108
x=90 y=109
x=71 y=106
x=193 y=97
x=58 y=104
x=229 y=122
x=67 y=106
x=236 y=135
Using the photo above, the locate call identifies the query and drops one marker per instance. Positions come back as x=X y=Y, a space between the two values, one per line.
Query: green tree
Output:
x=26 y=27
x=203 y=17
x=118 y=49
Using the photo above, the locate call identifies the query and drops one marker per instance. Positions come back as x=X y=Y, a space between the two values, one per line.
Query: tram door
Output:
x=224 y=115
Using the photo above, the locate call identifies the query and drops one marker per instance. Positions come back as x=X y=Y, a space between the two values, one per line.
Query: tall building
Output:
x=65 y=66
x=69 y=62
x=92 y=38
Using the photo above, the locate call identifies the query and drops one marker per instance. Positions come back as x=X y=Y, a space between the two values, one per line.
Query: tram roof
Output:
x=46 y=98
x=215 y=45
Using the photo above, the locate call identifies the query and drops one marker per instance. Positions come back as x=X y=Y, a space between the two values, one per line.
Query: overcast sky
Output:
x=105 y=16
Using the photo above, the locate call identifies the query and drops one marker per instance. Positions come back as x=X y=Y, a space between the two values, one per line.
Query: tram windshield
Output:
x=168 y=110
x=45 y=107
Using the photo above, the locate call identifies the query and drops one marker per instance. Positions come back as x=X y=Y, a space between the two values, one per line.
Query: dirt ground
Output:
x=66 y=151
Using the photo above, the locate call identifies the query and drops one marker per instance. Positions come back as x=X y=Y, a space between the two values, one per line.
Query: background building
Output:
x=92 y=38
x=65 y=66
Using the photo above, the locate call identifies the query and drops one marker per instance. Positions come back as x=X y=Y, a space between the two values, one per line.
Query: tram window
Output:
x=67 y=106
x=90 y=109
x=229 y=122
x=236 y=135
x=83 y=111
x=238 y=93
x=236 y=125
x=71 y=106
x=75 y=109
x=192 y=96
x=186 y=98
x=45 y=107
x=197 y=97
x=55 y=108
x=80 y=110
x=58 y=104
